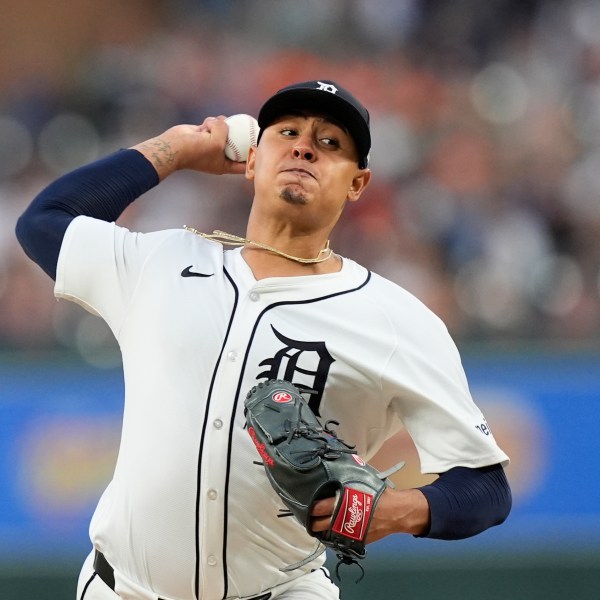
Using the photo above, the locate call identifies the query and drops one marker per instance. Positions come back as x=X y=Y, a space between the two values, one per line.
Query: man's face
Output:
x=307 y=167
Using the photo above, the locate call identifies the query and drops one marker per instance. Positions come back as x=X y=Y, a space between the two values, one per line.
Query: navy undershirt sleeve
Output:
x=464 y=502
x=102 y=189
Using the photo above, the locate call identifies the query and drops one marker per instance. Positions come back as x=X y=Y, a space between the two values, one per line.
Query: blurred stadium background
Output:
x=485 y=204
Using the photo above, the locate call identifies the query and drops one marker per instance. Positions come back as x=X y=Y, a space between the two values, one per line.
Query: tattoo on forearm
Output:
x=160 y=151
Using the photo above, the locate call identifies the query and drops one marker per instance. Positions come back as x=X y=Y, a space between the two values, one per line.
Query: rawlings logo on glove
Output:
x=354 y=514
x=306 y=461
x=262 y=448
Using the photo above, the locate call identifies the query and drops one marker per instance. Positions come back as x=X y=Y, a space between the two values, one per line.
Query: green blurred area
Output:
x=493 y=577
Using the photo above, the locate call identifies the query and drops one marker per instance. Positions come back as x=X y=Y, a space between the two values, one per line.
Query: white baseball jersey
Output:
x=188 y=514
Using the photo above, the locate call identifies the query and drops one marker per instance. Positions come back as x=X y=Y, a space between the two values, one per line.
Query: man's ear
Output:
x=250 y=163
x=359 y=183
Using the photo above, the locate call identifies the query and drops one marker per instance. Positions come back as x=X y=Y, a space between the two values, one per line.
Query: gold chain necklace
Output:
x=235 y=240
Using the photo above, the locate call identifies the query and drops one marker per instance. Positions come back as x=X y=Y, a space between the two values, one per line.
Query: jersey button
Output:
x=232 y=356
x=211 y=560
x=254 y=296
x=217 y=423
x=212 y=494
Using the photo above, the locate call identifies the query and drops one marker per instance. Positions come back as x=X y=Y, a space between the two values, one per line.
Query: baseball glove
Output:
x=306 y=461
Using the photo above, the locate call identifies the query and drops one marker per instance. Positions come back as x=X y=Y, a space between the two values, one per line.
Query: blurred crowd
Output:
x=485 y=199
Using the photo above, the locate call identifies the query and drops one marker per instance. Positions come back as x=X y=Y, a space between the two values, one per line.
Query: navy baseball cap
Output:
x=325 y=97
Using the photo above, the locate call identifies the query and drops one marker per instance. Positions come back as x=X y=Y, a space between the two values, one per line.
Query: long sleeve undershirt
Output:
x=103 y=190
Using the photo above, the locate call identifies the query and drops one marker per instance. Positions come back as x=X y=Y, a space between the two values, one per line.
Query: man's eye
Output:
x=288 y=132
x=328 y=141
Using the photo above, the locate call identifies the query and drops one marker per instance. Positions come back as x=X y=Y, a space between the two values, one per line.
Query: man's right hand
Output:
x=196 y=147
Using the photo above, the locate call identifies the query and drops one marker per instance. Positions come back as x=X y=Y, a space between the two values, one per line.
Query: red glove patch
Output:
x=354 y=514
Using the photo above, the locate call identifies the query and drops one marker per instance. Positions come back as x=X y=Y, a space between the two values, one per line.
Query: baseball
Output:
x=243 y=133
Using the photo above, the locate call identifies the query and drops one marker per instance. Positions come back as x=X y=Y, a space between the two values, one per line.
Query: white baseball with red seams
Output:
x=243 y=133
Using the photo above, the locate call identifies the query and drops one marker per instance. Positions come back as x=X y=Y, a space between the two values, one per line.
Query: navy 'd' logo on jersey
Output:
x=310 y=360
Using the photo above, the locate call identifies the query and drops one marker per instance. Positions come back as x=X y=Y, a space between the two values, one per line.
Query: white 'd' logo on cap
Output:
x=327 y=87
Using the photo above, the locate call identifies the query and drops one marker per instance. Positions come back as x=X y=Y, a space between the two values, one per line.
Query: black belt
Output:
x=104 y=570
x=107 y=574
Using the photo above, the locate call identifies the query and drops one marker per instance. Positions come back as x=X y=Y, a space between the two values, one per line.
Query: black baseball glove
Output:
x=305 y=462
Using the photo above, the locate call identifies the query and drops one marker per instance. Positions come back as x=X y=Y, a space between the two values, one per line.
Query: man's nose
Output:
x=303 y=148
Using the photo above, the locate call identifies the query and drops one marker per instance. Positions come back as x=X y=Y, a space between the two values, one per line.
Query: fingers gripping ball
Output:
x=305 y=461
x=243 y=133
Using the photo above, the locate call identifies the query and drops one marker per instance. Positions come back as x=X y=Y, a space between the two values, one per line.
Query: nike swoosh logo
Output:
x=187 y=272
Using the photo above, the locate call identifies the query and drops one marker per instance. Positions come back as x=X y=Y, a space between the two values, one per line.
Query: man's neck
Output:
x=264 y=264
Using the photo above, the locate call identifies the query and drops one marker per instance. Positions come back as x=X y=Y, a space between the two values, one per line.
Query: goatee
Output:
x=292 y=197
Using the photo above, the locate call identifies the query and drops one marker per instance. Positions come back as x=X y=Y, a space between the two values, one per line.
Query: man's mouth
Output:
x=300 y=171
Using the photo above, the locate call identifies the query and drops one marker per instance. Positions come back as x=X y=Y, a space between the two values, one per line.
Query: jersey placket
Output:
x=214 y=465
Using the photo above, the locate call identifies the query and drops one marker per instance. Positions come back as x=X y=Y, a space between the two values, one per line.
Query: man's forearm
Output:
x=399 y=511
x=461 y=503
x=161 y=155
